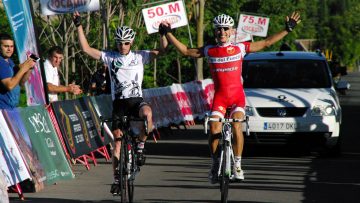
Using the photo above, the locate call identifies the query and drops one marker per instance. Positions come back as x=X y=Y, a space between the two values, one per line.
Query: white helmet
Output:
x=223 y=20
x=124 y=33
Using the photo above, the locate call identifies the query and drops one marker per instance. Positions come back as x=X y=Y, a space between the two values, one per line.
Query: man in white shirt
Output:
x=51 y=65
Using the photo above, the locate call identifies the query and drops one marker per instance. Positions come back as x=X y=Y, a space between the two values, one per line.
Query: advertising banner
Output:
x=52 y=7
x=253 y=25
x=44 y=140
x=77 y=126
x=195 y=94
x=105 y=102
x=173 y=12
x=4 y=197
x=87 y=103
x=12 y=165
x=29 y=153
x=20 y=19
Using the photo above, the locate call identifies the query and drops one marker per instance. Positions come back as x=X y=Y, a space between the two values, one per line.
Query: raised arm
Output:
x=182 y=48
x=290 y=24
x=163 y=45
x=85 y=47
x=19 y=77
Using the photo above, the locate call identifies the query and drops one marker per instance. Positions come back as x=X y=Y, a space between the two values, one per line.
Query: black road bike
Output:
x=128 y=166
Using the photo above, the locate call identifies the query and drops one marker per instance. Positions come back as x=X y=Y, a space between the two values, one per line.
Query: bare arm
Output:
x=184 y=50
x=163 y=45
x=165 y=28
x=71 y=88
x=25 y=78
x=18 y=78
x=259 y=45
x=85 y=47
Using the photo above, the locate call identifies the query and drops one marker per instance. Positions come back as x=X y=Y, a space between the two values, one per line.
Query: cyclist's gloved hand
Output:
x=77 y=20
x=164 y=29
x=292 y=21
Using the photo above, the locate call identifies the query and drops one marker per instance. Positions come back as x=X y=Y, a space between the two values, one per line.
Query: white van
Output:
x=291 y=95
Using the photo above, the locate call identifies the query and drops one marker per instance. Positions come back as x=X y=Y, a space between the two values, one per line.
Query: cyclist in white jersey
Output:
x=126 y=68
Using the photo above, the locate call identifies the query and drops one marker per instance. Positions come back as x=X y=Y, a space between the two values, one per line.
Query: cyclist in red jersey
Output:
x=225 y=62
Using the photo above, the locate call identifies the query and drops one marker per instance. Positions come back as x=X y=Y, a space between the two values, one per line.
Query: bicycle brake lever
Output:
x=206 y=123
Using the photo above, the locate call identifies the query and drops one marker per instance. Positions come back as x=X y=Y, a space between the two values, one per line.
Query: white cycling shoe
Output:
x=238 y=172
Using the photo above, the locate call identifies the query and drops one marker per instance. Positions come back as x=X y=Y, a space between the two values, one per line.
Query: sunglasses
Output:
x=224 y=28
x=123 y=43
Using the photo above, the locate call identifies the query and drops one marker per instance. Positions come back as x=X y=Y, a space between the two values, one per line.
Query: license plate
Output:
x=279 y=126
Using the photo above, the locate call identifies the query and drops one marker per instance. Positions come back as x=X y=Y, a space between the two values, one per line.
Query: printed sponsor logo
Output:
x=172 y=19
x=63 y=6
x=225 y=69
x=225 y=59
x=230 y=50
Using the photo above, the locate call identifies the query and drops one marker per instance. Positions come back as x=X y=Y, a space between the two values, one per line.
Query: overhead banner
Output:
x=21 y=23
x=78 y=126
x=29 y=153
x=46 y=143
x=12 y=164
x=173 y=12
x=253 y=25
x=52 y=7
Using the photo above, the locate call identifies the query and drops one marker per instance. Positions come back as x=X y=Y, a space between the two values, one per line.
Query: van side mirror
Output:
x=342 y=85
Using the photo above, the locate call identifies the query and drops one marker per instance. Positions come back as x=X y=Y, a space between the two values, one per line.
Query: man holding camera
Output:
x=11 y=75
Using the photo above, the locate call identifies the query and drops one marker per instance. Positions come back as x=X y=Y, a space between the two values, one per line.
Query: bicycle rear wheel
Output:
x=123 y=173
x=224 y=180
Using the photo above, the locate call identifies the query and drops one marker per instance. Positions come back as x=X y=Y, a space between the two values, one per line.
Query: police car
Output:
x=291 y=95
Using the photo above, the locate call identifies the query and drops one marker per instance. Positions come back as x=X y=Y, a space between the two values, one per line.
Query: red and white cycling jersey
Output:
x=226 y=66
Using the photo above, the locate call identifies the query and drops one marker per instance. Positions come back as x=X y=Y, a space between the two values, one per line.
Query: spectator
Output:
x=51 y=65
x=100 y=81
x=10 y=74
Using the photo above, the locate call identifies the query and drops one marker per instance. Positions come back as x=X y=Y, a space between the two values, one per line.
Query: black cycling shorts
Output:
x=126 y=107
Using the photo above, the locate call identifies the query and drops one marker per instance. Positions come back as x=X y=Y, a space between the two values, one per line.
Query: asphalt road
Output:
x=177 y=166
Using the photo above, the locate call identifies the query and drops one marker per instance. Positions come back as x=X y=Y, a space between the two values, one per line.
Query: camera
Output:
x=35 y=58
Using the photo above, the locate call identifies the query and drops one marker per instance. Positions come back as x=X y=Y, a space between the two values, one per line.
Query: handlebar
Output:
x=223 y=120
x=126 y=119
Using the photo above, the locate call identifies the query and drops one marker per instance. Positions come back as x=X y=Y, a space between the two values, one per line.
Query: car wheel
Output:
x=333 y=144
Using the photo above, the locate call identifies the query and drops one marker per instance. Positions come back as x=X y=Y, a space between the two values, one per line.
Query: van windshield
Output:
x=286 y=74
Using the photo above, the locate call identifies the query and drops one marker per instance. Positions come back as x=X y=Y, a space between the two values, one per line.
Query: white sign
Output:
x=253 y=25
x=52 y=7
x=173 y=12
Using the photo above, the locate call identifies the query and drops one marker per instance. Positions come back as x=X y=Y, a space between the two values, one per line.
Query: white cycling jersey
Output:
x=126 y=71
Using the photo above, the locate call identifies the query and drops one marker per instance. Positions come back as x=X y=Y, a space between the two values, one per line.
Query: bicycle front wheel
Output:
x=224 y=181
x=132 y=171
x=123 y=172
